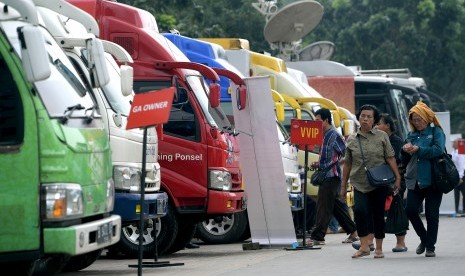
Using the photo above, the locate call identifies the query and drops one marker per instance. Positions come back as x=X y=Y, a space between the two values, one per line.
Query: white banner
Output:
x=268 y=208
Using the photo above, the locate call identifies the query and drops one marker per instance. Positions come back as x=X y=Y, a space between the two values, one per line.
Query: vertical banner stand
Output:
x=304 y=241
x=140 y=263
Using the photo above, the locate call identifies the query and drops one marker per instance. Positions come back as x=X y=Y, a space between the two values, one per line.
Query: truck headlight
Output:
x=220 y=180
x=127 y=178
x=293 y=184
x=110 y=203
x=62 y=201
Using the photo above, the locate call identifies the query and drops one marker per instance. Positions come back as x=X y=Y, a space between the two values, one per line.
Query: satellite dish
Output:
x=293 y=22
x=319 y=50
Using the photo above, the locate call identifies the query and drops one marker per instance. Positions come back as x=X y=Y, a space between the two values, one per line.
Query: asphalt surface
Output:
x=334 y=258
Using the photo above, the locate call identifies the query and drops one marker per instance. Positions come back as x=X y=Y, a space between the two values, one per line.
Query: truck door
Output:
x=19 y=159
x=181 y=153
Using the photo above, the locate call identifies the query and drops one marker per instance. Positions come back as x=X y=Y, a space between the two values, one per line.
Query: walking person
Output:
x=424 y=142
x=328 y=202
x=386 y=124
x=459 y=161
x=369 y=201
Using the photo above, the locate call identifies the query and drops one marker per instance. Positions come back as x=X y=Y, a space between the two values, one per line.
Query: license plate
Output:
x=104 y=233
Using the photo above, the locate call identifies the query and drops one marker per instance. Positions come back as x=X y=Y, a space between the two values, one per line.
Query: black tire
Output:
x=227 y=229
x=246 y=235
x=186 y=230
x=24 y=268
x=80 y=262
x=165 y=228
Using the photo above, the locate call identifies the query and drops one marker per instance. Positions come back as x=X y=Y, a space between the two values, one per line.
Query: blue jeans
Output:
x=333 y=224
x=432 y=198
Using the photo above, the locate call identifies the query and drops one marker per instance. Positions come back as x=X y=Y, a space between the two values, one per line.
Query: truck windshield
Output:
x=403 y=112
x=63 y=89
x=118 y=102
x=215 y=116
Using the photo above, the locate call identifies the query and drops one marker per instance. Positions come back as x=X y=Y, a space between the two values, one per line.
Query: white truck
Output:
x=70 y=25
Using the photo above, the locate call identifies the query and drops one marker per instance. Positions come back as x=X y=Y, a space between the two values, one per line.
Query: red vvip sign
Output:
x=461 y=146
x=151 y=108
x=306 y=132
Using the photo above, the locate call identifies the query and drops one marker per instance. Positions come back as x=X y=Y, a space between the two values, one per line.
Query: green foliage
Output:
x=426 y=36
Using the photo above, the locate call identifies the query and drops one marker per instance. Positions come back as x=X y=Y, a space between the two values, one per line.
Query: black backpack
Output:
x=445 y=176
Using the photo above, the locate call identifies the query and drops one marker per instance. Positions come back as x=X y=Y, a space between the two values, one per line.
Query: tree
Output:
x=426 y=36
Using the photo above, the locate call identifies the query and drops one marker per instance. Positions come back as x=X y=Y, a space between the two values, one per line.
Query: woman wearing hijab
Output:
x=425 y=141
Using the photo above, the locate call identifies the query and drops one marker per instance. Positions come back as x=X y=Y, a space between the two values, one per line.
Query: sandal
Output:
x=360 y=253
x=351 y=239
x=379 y=254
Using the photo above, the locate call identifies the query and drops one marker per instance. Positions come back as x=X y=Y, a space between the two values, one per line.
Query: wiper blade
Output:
x=69 y=111
x=90 y=117
x=229 y=130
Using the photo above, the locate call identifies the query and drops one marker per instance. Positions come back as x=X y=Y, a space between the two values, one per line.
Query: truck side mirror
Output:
x=241 y=97
x=34 y=55
x=96 y=59
x=127 y=78
x=214 y=95
x=279 y=111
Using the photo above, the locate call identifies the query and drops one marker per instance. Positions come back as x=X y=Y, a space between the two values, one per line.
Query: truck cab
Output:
x=113 y=100
x=346 y=87
x=57 y=191
x=214 y=55
x=199 y=153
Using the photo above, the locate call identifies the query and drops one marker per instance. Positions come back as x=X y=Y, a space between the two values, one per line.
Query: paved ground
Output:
x=333 y=259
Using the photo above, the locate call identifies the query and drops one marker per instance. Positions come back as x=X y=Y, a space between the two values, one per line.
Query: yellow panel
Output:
x=229 y=43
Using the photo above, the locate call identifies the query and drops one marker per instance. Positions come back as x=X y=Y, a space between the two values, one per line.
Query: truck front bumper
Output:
x=127 y=205
x=83 y=238
x=220 y=202
x=296 y=201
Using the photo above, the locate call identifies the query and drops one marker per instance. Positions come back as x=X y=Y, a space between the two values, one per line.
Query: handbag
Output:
x=378 y=176
x=396 y=221
x=445 y=176
x=319 y=176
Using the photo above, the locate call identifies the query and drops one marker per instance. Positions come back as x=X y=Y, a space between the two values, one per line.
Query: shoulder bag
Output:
x=444 y=175
x=378 y=176
x=319 y=176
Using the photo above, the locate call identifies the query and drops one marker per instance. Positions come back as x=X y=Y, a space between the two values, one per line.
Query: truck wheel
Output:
x=48 y=265
x=80 y=262
x=129 y=242
x=223 y=229
x=185 y=234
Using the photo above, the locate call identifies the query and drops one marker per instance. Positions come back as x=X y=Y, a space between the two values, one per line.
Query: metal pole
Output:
x=305 y=196
x=142 y=198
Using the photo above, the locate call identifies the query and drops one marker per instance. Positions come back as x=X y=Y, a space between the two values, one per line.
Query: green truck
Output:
x=56 y=187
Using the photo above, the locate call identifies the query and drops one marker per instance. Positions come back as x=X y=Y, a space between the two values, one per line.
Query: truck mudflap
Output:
x=296 y=201
x=83 y=238
x=127 y=206
x=220 y=202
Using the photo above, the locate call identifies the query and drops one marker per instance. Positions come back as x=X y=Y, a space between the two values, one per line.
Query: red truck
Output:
x=198 y=152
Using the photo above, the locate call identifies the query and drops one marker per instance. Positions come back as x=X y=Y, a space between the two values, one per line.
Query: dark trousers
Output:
x=457 y=190
x=432 y=198
x=329 y=204
x=369 y=212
